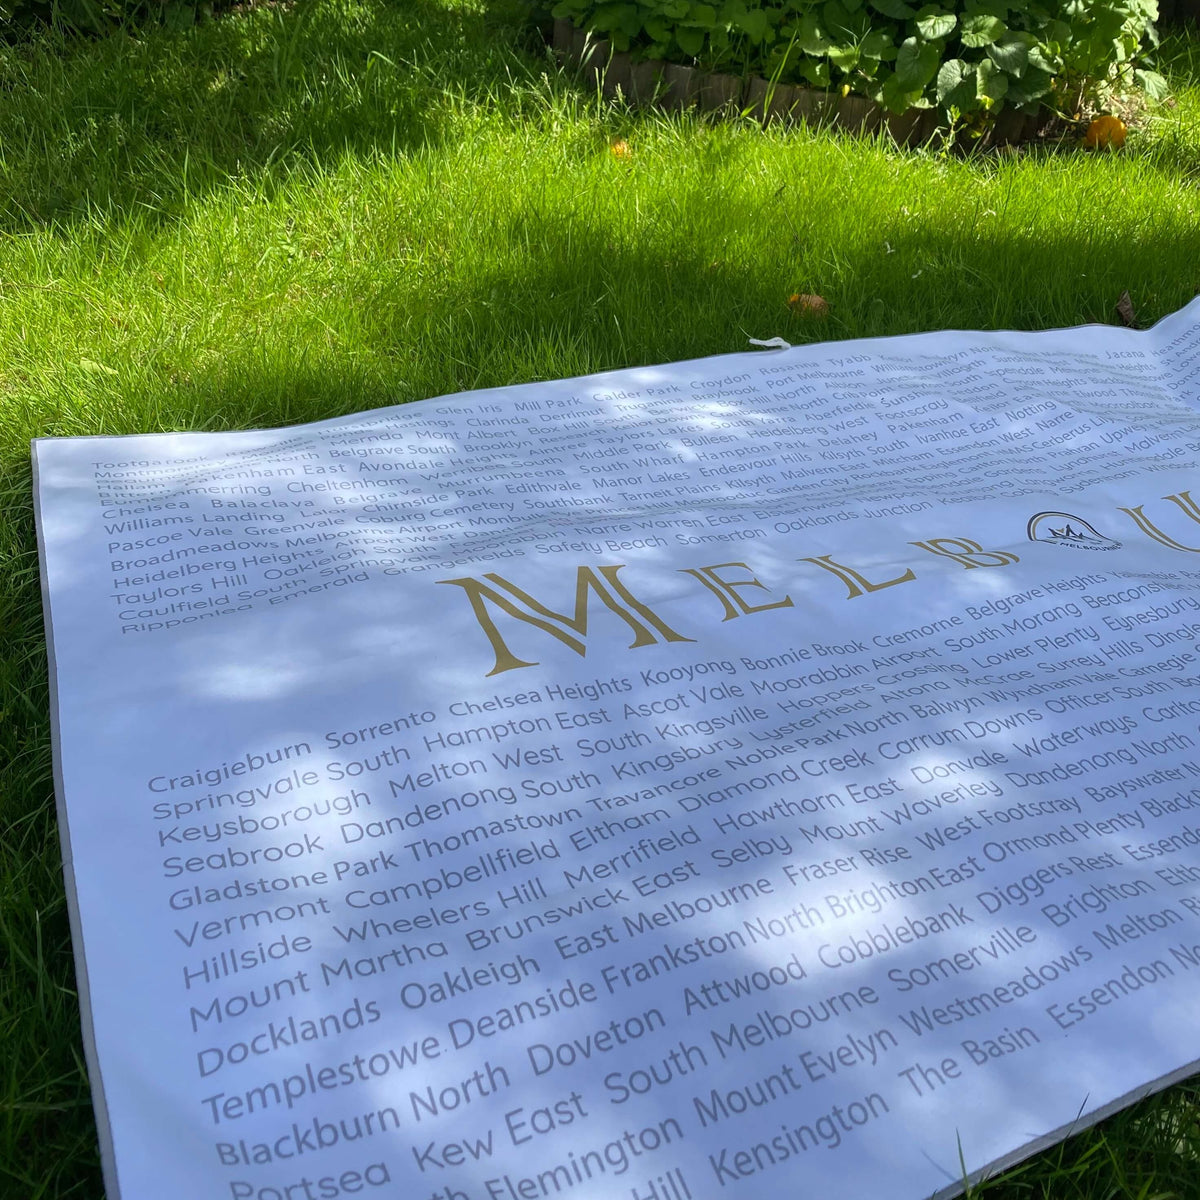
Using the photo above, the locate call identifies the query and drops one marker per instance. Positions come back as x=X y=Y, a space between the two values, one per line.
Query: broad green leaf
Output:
x=1033 y=85
x=702 y=15
x=690 y=39
x=981 y=30
x=717 y=51
x=950 y=76
x=631 y=20
x=895 y=98
x=659 y=29
x=799 y=65
x=878 y=45
x=916 y=64
x=812 y=38
x=991 y=82
x=816 y=72
x=610 y=17
x=1153 y=83
x=845 y=58
x=834 y=15
x=1011 y=52
x=957 y=85
x=844 y=26
x=1042 y=60
x=934 y=23
x=754 y=23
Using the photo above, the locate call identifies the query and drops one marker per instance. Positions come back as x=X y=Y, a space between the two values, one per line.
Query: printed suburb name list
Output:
x=776 y=774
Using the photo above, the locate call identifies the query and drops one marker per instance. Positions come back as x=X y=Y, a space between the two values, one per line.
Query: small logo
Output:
x=1063 y=529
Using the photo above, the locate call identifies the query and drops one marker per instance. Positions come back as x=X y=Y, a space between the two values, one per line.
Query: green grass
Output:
x=294 y=213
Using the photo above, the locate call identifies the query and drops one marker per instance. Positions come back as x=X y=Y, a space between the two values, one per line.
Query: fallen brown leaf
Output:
x=1125 y=311
x=807 y=305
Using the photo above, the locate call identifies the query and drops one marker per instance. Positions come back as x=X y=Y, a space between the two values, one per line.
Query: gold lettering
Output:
x=967 y=552
x=857 y=584
x=523 y=607
x=726 y=590
x=1184 y=503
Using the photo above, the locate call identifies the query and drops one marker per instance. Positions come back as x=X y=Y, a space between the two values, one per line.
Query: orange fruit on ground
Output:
x=1105 y=133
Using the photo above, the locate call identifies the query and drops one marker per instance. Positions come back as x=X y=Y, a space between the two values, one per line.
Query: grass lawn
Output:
x=295 y=213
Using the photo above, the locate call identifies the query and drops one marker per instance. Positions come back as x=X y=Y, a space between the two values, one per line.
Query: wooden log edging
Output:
x=672 y=87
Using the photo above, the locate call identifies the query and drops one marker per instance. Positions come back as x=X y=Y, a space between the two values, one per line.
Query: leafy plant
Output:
x=966 y=56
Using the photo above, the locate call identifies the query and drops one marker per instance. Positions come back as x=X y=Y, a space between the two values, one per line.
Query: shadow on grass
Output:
x=548 y=291
x=144 y=125
x=567 y=289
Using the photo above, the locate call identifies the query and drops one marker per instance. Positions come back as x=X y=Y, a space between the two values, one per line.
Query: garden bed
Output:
x=670 y=86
